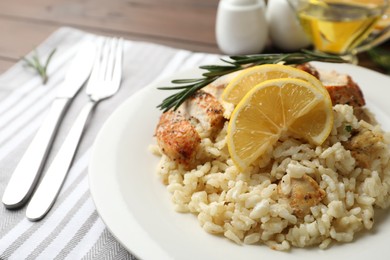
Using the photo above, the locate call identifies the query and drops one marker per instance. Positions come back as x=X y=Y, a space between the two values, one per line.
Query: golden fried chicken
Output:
x=178 y=130
x=304 y=194
x=177 y=138
x=342 y=89
x=364 y=147
x=206 y=110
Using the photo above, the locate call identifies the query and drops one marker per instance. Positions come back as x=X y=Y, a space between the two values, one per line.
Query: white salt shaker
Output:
x=241 y=26
x=284 y=28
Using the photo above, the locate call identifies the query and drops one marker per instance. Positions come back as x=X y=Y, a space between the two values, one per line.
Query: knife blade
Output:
x=26 y=174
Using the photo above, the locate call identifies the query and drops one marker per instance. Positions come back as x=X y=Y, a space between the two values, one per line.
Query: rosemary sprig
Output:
x=37 y=65
x=188 y=87
x=381 y=57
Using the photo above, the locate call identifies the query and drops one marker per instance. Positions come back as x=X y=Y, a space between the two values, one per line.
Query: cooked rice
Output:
x=246 y=208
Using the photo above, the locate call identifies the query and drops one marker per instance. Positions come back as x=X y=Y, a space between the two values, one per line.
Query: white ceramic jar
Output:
x=241 y=26
x=284 y=28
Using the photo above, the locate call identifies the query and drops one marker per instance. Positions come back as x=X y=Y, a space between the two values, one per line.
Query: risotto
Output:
x=351 y=168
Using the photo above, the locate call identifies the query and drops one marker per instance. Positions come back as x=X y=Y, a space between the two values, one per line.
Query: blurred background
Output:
x=187 y=24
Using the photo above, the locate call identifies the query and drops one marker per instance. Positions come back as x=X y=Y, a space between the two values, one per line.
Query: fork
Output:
x=103 y=83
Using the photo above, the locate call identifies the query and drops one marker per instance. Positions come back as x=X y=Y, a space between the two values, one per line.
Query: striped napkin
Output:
x=73 y=228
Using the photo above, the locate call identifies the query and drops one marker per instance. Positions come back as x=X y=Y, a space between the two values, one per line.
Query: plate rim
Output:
x=123 y=108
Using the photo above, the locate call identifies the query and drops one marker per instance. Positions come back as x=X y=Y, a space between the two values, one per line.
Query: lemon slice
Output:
x=273 y=108
x=249 y=78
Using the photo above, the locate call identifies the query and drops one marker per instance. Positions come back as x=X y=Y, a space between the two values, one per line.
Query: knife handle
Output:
x=47 y=191
x=28 y=170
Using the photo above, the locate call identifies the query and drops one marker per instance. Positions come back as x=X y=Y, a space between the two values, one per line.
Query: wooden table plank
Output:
x=188 y=21
x=21 y=37
x=5 y=65
x=187 y=24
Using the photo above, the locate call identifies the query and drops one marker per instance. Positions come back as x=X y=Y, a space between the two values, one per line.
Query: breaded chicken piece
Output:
x=309 y=69
x=177 y=134
x=216 y=90
x=217 y=87
x=305 y=193
x=364 y=147
x=342 y=89
x=206 y=110
x=177 y=138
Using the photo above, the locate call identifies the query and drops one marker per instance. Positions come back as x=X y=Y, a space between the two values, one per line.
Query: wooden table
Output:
x=188 y=24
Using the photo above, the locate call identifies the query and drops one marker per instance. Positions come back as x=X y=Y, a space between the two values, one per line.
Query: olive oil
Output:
x=336 y=27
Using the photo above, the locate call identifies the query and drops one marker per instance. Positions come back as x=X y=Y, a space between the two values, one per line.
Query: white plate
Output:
x=136 y=206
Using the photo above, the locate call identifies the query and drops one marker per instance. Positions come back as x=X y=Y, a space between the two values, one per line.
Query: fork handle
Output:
x=27 y=172
x=48 y=190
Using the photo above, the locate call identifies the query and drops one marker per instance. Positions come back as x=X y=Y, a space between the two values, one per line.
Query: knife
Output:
x=27 y=172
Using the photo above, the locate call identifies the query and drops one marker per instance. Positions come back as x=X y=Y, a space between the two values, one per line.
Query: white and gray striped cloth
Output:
x=73 y=228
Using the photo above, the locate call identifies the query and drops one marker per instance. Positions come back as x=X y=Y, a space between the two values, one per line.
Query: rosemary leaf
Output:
x=37 y=65
x=183 y=81
x=29 y=63
x=216 y=67
x=174 y=88
x=220 y=73
x=229 y=62
x=381 y=57
x=237 y=63
x=49 y=58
